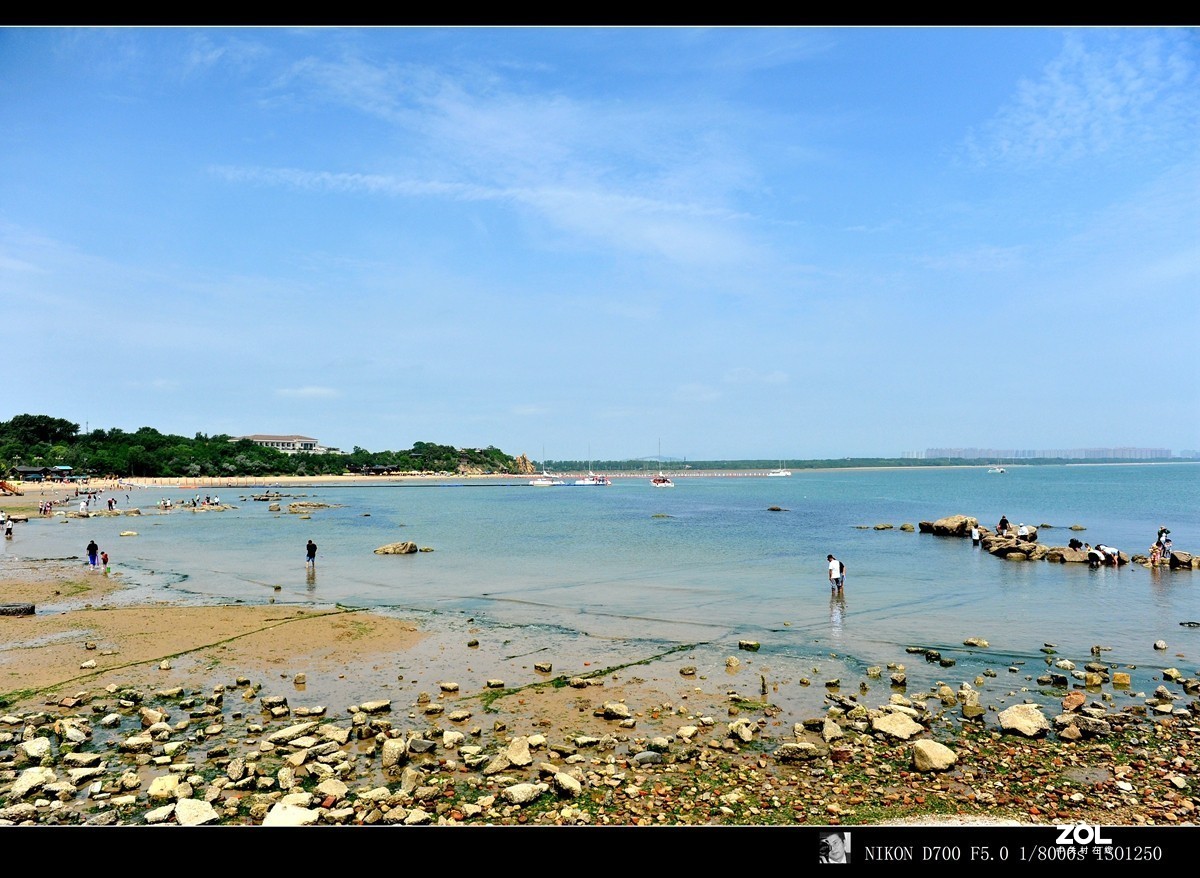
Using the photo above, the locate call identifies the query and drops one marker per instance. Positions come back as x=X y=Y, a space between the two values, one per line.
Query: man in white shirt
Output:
x=836 y=573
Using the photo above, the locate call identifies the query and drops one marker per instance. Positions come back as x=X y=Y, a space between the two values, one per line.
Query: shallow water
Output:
x=631 y=570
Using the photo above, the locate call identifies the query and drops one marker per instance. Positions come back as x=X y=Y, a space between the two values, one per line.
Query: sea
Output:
x=719 y=567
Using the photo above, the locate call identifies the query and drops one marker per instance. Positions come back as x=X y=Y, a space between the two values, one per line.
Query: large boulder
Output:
x=1024 y=719
x=896 y=725
x=1178 y=560
x=405 y=548
x=1061 y=554
x=951 y=526
x=930 y=755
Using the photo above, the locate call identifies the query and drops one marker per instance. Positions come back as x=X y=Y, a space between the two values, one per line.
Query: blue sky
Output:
x=736 y=242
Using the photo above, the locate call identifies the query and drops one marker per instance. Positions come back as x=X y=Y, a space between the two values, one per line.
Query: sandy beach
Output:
x=625 y=746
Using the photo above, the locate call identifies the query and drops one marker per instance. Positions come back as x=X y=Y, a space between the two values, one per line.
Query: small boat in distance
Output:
x=781 y=471
x=545 y=480
x=592 y=479
x=996 y=469
x=660 y=480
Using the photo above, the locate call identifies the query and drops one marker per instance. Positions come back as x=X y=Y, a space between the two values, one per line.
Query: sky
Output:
x=606 y=243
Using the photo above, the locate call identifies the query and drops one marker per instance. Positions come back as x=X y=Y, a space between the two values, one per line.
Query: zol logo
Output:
x=1080 y=833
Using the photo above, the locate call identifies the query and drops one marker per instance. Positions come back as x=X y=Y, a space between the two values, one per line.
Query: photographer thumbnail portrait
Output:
x=835 y=847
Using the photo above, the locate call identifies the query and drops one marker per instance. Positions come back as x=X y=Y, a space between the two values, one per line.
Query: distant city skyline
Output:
x=724 y=242
x=1066 y=453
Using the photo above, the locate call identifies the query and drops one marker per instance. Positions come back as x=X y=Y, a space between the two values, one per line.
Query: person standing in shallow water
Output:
x=837 y=573
x=310 y=558
x=92 y=551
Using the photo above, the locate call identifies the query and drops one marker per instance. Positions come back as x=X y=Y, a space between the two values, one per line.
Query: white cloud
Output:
x=1108 y=92
x=743 y=375
x=697 y=393
x=155 y=384
x=308 y=392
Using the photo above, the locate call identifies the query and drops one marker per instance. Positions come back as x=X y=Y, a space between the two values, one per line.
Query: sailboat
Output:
x=545 y=480
x=781 y=471
x=660 y=480
x=591 y=478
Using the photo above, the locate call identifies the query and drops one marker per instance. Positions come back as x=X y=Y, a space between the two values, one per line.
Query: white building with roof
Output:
x=288 y=444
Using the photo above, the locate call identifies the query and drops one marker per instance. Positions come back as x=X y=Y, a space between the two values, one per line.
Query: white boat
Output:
x=996 y=469
x=781 y=471
x=592 y=479
x=660 y=480
x=545 y=480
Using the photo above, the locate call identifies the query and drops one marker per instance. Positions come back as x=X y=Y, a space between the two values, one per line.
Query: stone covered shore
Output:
x=235 y=754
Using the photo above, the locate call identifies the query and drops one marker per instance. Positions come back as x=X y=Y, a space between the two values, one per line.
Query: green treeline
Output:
x=40 y=440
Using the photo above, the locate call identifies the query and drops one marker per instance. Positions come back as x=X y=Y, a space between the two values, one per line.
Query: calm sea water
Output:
x=636 y=569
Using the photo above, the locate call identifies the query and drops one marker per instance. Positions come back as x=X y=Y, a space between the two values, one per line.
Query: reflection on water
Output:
x=837 y=609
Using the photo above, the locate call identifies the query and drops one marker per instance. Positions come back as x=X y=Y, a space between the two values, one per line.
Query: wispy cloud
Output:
x=743 y=375
x=162 y=385
x=697 y=393
x=687 y=232
x=627 y=175
x=1108 y=92
x=308 y=392
x=983 y=258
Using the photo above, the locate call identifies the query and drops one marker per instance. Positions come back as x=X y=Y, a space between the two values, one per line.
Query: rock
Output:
x=751 y=645
x=1160 y=644
x=1024 y=719
x=523 y=793
x=976 y=641
x=896 y=725
x=801 y=751
x=1072 y=701
x=1180 y=560
x=285 y=814
x=615 y=710
x=929 y=755
x=195 y=812
x=404 y=548
x=952 y=526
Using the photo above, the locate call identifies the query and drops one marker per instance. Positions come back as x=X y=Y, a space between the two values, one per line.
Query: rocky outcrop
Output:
x=950 y=526
x=405 y=548
x=523 y=466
